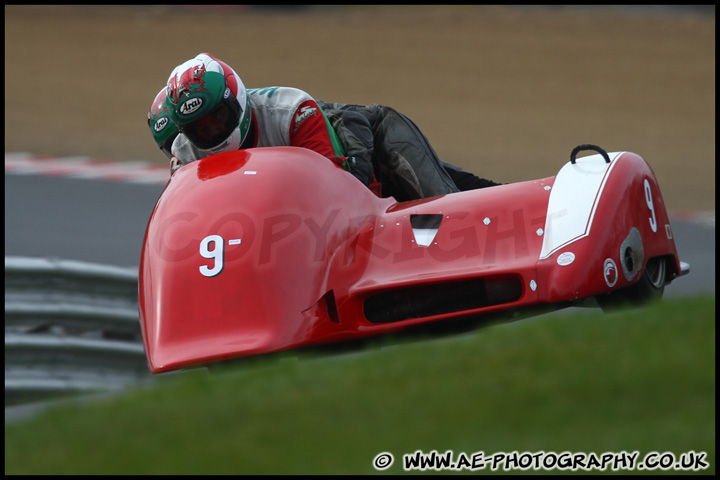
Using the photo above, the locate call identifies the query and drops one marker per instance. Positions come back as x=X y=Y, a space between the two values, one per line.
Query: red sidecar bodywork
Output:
x=269 y=249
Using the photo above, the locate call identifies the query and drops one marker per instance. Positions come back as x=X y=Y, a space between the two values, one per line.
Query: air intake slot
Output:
x=441 y=298
x=425 y=228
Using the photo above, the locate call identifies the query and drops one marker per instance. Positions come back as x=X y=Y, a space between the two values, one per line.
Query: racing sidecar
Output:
x=269 y=249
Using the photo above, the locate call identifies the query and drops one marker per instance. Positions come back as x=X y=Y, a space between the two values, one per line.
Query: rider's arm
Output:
x=329 y=135
x=310 y=130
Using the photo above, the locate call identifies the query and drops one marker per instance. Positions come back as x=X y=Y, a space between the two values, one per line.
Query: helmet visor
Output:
x=212 y=128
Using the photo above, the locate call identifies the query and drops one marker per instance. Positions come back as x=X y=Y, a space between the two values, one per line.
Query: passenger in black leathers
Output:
x=387 y=146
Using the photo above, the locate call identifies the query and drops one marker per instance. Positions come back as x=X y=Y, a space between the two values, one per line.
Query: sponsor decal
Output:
x=610 y=272
x=160 y=124
x=191 y=106
x=566 y=258
x=305 y=113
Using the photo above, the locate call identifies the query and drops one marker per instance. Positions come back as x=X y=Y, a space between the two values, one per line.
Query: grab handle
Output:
x=586 y=146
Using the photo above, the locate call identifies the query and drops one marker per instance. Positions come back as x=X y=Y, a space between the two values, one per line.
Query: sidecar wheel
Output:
x=650 y=287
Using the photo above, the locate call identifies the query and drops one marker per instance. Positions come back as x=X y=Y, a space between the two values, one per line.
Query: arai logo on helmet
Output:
x=191 y=106
x=160 y=124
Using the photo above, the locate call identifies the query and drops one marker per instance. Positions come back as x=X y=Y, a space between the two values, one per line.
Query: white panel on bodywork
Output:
x=573 y=200
x=424 y=236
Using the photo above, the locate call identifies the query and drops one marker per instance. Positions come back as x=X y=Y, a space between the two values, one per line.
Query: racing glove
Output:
x=361 y=169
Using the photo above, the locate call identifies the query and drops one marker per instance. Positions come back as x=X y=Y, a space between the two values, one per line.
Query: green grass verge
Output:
x=641 y=380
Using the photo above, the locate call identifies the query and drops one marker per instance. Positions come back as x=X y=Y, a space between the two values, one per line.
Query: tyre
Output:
x=649 y=288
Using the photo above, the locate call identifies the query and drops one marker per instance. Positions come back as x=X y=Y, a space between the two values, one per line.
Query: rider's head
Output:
x=161 y=126
x=208 y=102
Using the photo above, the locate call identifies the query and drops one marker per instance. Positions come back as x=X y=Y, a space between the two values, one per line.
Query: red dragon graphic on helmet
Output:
x=190 y=80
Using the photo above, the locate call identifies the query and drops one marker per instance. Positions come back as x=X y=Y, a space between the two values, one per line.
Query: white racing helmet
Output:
x=209 y=104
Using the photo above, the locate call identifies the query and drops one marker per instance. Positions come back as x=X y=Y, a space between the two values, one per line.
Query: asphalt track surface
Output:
x=104 y=222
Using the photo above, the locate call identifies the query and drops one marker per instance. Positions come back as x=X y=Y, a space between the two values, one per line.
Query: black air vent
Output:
x=421 y=301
